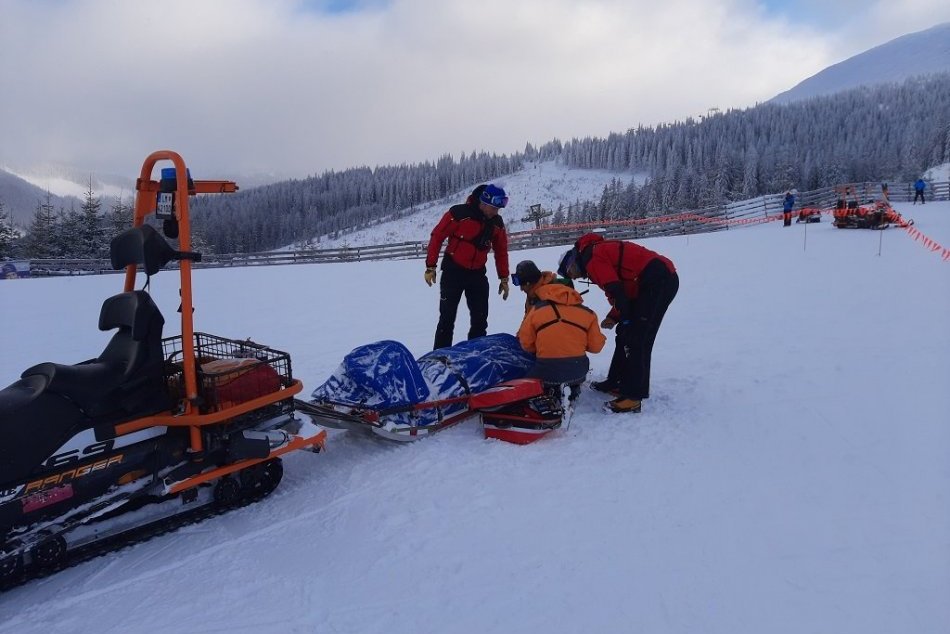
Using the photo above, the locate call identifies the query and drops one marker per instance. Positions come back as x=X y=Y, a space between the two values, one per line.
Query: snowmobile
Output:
x=381 y=390
x=154 y=428
x=876 y=215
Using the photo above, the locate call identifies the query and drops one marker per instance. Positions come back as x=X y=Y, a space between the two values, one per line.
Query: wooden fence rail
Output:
x=719 y=218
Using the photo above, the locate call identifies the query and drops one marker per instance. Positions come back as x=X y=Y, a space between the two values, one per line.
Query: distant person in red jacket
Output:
x=640 y=285
x=472 y=229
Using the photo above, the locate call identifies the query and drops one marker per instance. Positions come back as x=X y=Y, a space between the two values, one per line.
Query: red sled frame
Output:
x=374 y=421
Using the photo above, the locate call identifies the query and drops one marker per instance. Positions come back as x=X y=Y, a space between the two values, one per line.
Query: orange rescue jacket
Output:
x=559 y=325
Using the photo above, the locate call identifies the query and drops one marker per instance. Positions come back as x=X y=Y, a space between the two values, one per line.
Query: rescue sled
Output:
x=381 y=390
x=518 y=411
x=154 y=427
x=808 y=214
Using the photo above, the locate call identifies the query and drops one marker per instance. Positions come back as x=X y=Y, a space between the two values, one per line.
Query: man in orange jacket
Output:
x=472 y=229
x=640 y=285
x=557 y=327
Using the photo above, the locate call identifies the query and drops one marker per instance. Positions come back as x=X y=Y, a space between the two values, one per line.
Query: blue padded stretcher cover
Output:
x=384 y=375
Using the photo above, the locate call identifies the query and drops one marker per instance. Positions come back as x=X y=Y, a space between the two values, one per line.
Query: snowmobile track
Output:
x=128 y=538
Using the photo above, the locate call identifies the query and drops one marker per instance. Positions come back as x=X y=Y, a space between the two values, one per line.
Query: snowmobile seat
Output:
x=33 y=424
x=127 y=378
x=141 y=245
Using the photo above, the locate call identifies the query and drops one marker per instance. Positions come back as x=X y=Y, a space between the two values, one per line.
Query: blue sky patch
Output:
x=341 y=6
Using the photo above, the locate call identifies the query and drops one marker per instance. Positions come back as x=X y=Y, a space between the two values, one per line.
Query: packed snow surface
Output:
x=790 y=474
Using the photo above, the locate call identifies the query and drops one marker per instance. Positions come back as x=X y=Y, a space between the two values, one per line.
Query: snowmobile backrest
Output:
x=134 y=311
x=141 y=245
x=137 y=345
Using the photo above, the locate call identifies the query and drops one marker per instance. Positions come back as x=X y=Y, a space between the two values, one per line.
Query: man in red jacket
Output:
x=472 y=229
x=640 y=285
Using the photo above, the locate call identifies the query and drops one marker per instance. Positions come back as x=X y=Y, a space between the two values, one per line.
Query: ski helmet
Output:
x=526 y=272
x=494 y=195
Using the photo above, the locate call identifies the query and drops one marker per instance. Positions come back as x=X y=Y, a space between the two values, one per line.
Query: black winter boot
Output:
x=606 y=386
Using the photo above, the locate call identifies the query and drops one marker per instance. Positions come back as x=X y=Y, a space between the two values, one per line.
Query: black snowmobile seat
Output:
x=52 y=402
x=141 y=245
x=131 y=361
x=33 y=424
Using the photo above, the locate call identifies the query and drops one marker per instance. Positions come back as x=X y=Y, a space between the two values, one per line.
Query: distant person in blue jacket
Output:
x=787 y=205
x=919 y=188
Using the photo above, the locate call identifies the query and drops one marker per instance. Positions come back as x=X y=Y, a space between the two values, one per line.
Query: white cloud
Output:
x=258 y=85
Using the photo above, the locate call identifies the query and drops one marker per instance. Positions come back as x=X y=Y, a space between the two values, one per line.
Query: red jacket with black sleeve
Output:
x=608 y=263
x=471 y=236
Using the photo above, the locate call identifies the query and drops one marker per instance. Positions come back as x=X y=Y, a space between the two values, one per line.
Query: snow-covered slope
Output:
x=914 y=54
x=63 y=180
x=546 y=183
x=790 y=473
x=939 y=173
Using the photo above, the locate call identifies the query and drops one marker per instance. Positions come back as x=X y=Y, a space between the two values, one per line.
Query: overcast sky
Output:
x=295 y=87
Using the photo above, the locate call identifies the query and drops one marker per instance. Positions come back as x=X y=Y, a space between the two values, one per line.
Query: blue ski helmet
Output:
x=494 y=195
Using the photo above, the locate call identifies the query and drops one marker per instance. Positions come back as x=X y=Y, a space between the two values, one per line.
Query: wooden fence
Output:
x=720 y=218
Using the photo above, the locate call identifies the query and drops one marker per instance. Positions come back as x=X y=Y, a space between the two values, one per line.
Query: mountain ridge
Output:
x=922 y=53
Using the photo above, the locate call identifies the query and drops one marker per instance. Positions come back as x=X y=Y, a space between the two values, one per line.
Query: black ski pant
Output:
x=919 y=193
x=457 y=281
x=630 y=365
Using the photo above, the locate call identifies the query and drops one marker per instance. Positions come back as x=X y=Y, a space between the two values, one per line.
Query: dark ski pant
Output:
x=787 y=218
x=630 y=365
x=457 y=281
x=557 y=372
x=919 y=193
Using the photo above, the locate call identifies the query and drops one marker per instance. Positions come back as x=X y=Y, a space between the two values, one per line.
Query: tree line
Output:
x=72 y=233
x=888 y=132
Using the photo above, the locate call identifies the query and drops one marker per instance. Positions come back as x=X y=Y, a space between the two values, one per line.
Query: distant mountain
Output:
x=921 y=53
x=69 y=180
x=20 y=198
x=22 y=188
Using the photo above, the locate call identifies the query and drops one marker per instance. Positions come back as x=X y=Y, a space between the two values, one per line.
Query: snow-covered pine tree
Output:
x=40 y=238
x=119 y=219
x=67 y=234
x=90 y=240
x=7 y=234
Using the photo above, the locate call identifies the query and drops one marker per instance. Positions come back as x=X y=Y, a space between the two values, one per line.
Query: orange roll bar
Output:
x=145 y=205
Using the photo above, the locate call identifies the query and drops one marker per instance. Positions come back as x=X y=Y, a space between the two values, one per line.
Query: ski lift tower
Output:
x=536 y=213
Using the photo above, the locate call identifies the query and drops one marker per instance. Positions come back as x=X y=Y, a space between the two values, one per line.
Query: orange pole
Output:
x=145 y=205
x=146 y=190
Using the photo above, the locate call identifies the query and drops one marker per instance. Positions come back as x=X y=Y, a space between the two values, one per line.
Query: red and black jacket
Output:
x=471 y=236
x=615 y=266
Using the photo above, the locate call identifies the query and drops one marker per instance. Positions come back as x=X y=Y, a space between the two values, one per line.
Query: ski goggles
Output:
x=496 y=201
x=518 y=281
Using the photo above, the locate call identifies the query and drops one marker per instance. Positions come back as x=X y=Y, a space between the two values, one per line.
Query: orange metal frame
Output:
x=208 y=476
x=146 y=191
